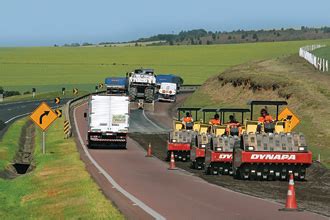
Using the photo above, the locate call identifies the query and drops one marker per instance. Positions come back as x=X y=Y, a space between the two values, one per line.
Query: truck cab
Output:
x=167 y=92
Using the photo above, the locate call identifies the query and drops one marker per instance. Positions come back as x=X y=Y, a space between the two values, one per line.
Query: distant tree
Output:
x=302 y=28
x=255 y=36
x=326 y=29
x=192 y=42
x=171 y=42
x=243 y=36
x=229 y=37
x=55 y=45
x=214 y=36
x=136 y=44
x=200 y=42
x=86 y=44
x=208 y=42
x=1 y=90
x=278 y=34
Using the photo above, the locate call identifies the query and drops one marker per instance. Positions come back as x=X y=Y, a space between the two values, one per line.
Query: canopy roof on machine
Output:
x=234 y=110
x=187 y=109
x=265 y=102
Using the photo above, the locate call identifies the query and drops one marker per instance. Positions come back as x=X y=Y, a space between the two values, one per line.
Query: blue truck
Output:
x=116 y=85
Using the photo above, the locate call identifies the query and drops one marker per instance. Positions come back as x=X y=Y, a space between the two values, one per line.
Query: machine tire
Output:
x=132 y=93
x=149 y=95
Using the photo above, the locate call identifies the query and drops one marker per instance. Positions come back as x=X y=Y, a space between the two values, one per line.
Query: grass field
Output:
x=323 y=52
x=59 y=188
x=50 y=69
x=307 y=90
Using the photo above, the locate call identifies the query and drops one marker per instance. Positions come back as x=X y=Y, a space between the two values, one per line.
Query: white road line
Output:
x=135 y=200
x=151 y=122
x=17 y=116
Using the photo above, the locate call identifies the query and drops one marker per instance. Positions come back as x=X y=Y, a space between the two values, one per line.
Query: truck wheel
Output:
x=149 y=95
x=132 y=93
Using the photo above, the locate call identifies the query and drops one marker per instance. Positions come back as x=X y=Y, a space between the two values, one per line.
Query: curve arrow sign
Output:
x=43 y=115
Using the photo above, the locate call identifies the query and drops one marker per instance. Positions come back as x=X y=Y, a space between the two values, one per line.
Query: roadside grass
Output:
x=307 y=90
x=59 y=187
x=42 y=96
x=50 y=68
x=323 y=52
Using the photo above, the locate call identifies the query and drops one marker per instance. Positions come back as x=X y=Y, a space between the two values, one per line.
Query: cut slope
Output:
x=289 y=78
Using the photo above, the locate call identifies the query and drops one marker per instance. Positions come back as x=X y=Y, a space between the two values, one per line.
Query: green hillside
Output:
x=288 y=78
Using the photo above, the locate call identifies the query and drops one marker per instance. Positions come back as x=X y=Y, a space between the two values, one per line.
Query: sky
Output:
x=49 y=22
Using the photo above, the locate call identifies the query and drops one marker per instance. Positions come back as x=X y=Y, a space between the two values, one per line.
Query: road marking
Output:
x=17 y=116
x=135 y=200
x=21 y=115
x=151 y=122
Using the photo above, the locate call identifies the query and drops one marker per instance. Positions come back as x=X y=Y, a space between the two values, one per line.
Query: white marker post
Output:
x=1 y=97
x=33 y=92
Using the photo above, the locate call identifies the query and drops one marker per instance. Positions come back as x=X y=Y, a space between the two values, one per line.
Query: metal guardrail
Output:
x=75 y=101
x=189 y=88
x=72 y=102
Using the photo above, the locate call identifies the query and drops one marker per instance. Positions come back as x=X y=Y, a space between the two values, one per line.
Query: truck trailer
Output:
x=116 y=85
x=108 y=121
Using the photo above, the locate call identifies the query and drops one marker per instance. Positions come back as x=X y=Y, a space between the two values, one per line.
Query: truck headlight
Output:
x=173 y=140
x=203 y=146
x=251 y=148
x=302 y=148
x=219 y=149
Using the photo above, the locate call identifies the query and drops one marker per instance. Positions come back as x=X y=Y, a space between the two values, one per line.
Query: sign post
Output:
x=1 y=97
x=63 y=91
x=96 y=88
x=43 y=116
x=43 y=142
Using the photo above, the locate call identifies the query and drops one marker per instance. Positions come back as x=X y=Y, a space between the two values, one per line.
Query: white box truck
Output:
x=108 y=121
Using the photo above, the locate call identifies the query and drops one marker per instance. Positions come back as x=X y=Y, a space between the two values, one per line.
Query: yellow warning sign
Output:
x=43 y=116
x=290 y=119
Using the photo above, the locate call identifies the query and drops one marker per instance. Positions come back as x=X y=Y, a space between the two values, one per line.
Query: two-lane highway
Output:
x=163 y=193
x=9 y=112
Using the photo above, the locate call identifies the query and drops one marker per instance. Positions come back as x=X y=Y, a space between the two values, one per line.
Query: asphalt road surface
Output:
x=148 y=185
x=9 y=112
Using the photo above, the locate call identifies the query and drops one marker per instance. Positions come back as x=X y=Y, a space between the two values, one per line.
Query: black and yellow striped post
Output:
x=66 y=129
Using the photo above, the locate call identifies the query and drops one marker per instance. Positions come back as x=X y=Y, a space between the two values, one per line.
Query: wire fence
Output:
x=319 y=63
